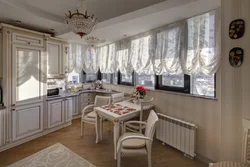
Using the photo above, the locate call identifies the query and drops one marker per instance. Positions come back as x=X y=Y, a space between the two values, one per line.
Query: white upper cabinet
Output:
x=57 y=53
x=54 y=65
x=28 y=74
x=27 y=39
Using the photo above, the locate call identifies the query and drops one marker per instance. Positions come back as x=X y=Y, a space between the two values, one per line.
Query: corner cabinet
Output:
x=27 y=120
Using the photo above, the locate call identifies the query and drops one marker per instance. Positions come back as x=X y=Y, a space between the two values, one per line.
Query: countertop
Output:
x=70 y=94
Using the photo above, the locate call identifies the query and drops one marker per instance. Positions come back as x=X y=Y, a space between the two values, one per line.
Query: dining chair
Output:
x=137 y=144
x=245 y=150
x=145 y=104
x=117 y=97
x=89 y=115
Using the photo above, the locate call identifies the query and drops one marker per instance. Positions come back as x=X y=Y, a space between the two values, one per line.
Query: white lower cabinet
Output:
x=55 y=113
x=60 y=111
x=27 y=120
x=69 y=108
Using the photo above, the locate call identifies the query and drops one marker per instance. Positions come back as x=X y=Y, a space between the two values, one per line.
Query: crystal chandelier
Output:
x=80 y=23
x=93 y=41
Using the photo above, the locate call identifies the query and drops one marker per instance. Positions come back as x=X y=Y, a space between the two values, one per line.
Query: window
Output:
x=148 y=81
x=177 y=83
x=126 y=79
x=203 y=85
x=107 y=78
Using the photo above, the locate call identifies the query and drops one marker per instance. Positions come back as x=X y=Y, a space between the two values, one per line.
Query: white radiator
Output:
x=177 y=133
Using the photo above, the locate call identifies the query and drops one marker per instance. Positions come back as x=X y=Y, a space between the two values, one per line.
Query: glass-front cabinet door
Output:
x=28 y=75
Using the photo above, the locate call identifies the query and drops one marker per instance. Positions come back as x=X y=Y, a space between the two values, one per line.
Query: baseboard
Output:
x=203 y=159
x=76 y=116
x=21 y=141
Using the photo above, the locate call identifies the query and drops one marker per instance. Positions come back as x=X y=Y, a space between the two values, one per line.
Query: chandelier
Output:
x=80 y=23
x=93 y=41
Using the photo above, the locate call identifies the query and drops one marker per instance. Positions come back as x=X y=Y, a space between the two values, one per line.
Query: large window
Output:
x=148 y=81
x=107 y=78
x=177 y=83
x=126 y=79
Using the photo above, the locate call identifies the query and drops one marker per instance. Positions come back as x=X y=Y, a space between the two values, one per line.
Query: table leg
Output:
x=97 y=128
x=116 y=136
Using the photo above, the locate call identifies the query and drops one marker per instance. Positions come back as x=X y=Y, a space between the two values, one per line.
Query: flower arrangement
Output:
x=140 y=92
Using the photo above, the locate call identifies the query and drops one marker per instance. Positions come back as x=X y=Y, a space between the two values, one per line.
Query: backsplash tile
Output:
x=55 y=83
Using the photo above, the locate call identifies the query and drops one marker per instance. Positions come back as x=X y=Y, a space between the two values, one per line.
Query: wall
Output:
x=235 y=101
x=203 y=112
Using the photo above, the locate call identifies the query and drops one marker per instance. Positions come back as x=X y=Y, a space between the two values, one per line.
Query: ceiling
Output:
x=117 y=19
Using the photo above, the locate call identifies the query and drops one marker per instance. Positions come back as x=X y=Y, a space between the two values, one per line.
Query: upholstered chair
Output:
x=137 y=144
x=88 y=113
x=245 y=150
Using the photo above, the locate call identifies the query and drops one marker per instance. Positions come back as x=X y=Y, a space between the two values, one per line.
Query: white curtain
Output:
x=90 y=65
x=71 y=58
x=123 y=57
x=202 y=46
x=79 y=58
x=168 y=41
x=142 y=53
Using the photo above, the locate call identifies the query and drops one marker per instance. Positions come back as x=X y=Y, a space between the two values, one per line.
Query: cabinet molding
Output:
x=27 y=39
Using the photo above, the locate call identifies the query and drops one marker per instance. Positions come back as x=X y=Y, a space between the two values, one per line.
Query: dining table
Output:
x=117 y=113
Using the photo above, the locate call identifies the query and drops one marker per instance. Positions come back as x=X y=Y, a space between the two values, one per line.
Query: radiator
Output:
x=177 y=133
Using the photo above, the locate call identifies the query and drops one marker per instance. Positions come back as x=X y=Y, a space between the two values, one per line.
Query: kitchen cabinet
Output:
x=27 y=120
x=60 y=111
x=55 y=61
x=55 y=113
x=69 y=109
x=28 y=77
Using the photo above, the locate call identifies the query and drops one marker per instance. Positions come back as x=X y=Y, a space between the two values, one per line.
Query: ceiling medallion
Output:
x=92 y=41
x=80 y=23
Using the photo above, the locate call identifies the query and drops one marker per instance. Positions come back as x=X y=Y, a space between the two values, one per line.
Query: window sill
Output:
x=171 y=92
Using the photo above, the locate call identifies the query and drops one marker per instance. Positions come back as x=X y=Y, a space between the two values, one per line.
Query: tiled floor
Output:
x=100 y=154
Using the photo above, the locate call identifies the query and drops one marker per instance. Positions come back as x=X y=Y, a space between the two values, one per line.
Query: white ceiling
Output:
x=116 y=17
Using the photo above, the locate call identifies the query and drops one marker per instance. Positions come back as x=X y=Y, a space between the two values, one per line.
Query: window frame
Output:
x=186 y=89
x=111 y=78
x=126 y=83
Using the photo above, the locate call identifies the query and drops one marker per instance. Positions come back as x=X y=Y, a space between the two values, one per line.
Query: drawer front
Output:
x=86 y=95
x=27 y=39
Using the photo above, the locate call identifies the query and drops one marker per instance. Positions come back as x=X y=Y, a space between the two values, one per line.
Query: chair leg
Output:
x=119 y=159
x=149 y=159
x=82 y=127
x=109 y=126
x=101 y=128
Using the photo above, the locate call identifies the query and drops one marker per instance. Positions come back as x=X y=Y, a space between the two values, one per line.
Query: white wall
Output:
x=235 y=92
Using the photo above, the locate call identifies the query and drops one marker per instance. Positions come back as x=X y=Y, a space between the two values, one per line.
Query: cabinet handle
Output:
x=28 y=43
x=13 y=109
x=12 y=105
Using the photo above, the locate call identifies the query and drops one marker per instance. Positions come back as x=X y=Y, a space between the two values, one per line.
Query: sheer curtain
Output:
x=71 y=58
x=168 y=44
x=90 y=65
x=123 y=57
x=202 y=45
x=142 y=53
